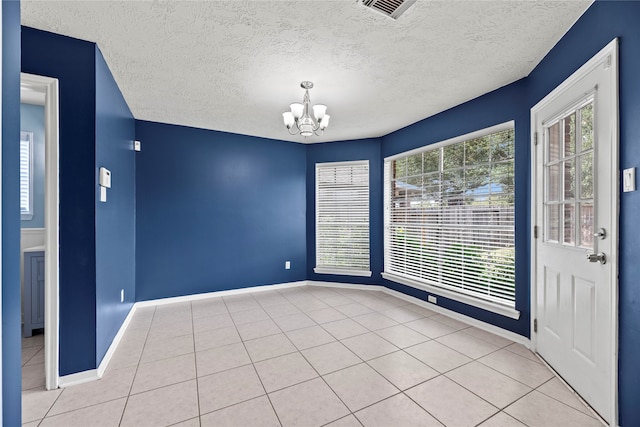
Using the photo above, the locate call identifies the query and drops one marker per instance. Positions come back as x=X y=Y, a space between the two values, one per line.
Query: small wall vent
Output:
x=390 y=8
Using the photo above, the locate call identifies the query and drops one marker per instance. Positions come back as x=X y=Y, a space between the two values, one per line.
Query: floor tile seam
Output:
x=254 y=370
x=427 y=338
x=487 y=341
x=422 y=407
x=313 y=346
x=476 y=394
x=322 y=377
x=479 y=360
x=37 y=387
x=275 y=357
x=26 y=363
x=126 y=403
x=163 y=358
x=345 y=338
x=50 y=415
x=50 y=406
x=195 y=362
x=354 y=412
x=493 y=415
x=342 y=418
x=499 y=372
x=140 y=363
x=458 y=351
x=588 y=408
x=517 y=354
x=181 y=381
x=562 y=403
x=391 y=382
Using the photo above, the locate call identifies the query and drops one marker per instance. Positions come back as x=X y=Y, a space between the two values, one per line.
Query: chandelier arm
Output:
x=294 y=132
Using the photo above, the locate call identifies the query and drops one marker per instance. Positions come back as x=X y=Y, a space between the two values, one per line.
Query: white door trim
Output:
x=49 y=86
x=610 y=50
x=1 y=215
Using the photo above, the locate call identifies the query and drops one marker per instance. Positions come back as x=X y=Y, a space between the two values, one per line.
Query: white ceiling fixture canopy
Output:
x=195 y=63
x=299 y=120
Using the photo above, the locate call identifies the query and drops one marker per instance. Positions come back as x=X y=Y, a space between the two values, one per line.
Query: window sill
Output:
x=342 y=272
x=469 y=300
x=26 y=216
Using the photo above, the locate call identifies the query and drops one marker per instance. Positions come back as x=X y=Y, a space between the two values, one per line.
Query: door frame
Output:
x=49 y=86
x=610 y=50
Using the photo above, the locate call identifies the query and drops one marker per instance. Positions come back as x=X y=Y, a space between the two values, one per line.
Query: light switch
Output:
x=629 y=180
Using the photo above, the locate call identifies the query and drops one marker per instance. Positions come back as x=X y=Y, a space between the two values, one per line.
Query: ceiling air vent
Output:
x=390 y=8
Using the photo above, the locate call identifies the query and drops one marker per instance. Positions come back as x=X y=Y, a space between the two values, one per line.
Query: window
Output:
x=568 y=174
x=342 y=218
x=26 y=179
x=449 y=218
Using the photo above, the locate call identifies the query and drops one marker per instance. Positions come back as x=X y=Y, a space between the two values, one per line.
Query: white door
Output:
x=575 y=211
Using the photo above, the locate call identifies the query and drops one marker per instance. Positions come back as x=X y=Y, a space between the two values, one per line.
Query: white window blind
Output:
x=449 y=217
x=26 y=179
x=342 y=218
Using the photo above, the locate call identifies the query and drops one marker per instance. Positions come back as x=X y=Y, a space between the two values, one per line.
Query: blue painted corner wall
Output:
x=72 y=62
x=115 y=219
x=11 y=313
x=97 y=240
x=32 y=120
x=216 y=211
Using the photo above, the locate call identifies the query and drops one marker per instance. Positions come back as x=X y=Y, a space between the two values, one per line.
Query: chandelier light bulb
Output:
x=319 y=111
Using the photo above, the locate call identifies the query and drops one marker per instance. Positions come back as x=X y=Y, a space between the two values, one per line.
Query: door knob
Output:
x=601 y=233
x=599 y=257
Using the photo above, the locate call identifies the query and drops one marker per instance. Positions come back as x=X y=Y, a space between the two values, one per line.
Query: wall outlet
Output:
x=432 y=299
x=287 y=265
x=121 y=295
x=136 y=145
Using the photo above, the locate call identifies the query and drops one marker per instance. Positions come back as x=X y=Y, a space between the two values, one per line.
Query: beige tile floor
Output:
x=307 y=356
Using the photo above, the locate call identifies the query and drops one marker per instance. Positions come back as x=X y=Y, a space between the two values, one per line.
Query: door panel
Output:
x=575 y=165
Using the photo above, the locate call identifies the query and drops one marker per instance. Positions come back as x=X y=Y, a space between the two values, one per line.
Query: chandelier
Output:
x=298 y=120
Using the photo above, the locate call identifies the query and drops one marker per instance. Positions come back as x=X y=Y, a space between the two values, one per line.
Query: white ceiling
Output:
x=235 y=66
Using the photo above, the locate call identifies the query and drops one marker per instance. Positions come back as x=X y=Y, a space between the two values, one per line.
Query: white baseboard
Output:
x=116 y=341
x=216 y=294
x=433 y=307
x=78 y=378
x=496 y=330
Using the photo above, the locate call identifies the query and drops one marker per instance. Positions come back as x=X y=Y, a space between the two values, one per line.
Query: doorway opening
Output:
x=42 y=240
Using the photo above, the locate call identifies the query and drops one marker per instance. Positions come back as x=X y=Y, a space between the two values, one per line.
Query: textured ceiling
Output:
x=235 y=66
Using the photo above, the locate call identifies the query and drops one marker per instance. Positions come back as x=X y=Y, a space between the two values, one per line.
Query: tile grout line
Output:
x=146 y=336
x=254 y=369
x=195 y=362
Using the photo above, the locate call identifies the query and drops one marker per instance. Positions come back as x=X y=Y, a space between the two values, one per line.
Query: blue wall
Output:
x=11 y=318
x=72 y=62
x=115 y=219
x=32 y=120
x=216 y=211
x=602 y=22
x=363 y=149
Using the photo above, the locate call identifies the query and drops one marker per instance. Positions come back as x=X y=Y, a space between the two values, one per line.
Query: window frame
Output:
x=27 y=137
x=334 y=269
x=416 y=282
